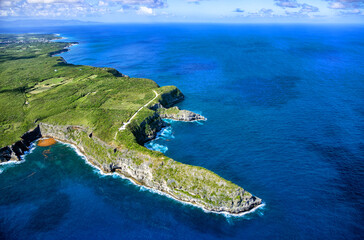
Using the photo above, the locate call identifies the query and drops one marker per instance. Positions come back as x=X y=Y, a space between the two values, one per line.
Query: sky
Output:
x=224 y=11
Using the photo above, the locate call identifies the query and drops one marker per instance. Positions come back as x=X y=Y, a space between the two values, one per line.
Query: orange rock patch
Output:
x=46 y=142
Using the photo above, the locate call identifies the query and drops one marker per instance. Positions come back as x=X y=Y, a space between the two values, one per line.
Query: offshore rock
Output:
x=180 y=115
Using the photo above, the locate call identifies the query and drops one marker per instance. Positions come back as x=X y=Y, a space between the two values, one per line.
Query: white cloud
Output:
x=346 y=4
x=145 y=11
x=336 y=5
x=102 y=3
x=194 y=1
x=287 y=3
x=146 y=3
x=3 y=13
x=6 y=3
x=264 y=12
x=71 y=8
x=49 y=8
x=352 y=12
x=54 y=1
x=306 y=8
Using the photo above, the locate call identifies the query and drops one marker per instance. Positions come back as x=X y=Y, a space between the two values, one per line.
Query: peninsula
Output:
x=108 y=116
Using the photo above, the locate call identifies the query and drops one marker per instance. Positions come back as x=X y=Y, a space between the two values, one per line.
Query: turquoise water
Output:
x=285 y=120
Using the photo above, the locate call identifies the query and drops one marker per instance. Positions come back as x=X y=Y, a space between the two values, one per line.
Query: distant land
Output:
x=44 y=23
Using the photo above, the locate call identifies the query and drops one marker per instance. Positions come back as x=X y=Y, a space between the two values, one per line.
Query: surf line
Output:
x=100 y=172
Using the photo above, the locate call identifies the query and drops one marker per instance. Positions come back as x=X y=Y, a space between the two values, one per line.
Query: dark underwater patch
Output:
x=51 y=213
x=270 y=92
x=349 y=165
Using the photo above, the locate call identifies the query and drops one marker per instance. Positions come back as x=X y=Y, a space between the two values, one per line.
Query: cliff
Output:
x=15 y=151
x=183 y=182
x=88 y=107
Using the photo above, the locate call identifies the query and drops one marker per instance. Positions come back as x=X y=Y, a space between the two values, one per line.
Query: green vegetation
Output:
x=172 y=110
x=71 y=101
x=35 y=87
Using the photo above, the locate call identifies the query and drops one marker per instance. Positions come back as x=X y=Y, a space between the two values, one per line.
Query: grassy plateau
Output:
x=39 y=88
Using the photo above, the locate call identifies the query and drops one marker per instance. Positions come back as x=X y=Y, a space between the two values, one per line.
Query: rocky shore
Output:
x=15 y=151
x=164 y=175
x=180 y=115
x=190 y=184
x=107 y=146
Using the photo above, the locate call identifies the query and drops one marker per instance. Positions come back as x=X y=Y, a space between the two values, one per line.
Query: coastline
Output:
x=136 y=183
x=138 y=174
x=142 y=187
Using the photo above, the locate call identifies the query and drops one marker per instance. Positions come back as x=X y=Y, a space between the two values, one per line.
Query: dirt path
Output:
x=131 y=119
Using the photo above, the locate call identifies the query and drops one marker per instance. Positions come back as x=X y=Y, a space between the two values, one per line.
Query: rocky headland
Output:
x=105 y=145
x=186 y=183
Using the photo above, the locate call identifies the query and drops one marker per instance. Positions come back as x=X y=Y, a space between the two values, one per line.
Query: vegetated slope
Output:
x=86 y=106
x=36 y=87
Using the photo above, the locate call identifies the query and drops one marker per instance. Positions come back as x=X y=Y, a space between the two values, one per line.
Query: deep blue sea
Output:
x=285 y=109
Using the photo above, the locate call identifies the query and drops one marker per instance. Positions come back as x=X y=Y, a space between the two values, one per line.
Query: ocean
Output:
x=285 y=110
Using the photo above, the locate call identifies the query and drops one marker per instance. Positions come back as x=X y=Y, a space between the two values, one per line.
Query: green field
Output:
x=38 y=88
x=35 y=87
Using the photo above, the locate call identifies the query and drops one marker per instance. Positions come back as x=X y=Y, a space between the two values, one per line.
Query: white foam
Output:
x=22 y=157
x=168 y=120
x=199 y=122
x=145 y=188
x=8 y=164
x=167 y=133
x=225 y=214
x=80 y=154
x=152 y=145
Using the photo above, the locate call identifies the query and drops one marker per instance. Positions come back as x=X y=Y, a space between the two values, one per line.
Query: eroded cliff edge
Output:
x=86 y=106
x=186 y=183
x=183 y=182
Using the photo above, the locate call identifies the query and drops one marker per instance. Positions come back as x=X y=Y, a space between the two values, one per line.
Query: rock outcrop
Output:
x=148 y=128
x=15 y=151
x=180 y=115
x=118 y=151
x=170 y=98
x=183 y=182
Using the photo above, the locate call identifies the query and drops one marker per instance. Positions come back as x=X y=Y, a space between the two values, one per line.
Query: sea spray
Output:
x=152 y=145
x=165 y=134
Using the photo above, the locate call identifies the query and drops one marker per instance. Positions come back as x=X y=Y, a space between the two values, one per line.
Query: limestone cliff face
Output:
x=170 y=98
x=183 y=182
x=148 y=128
